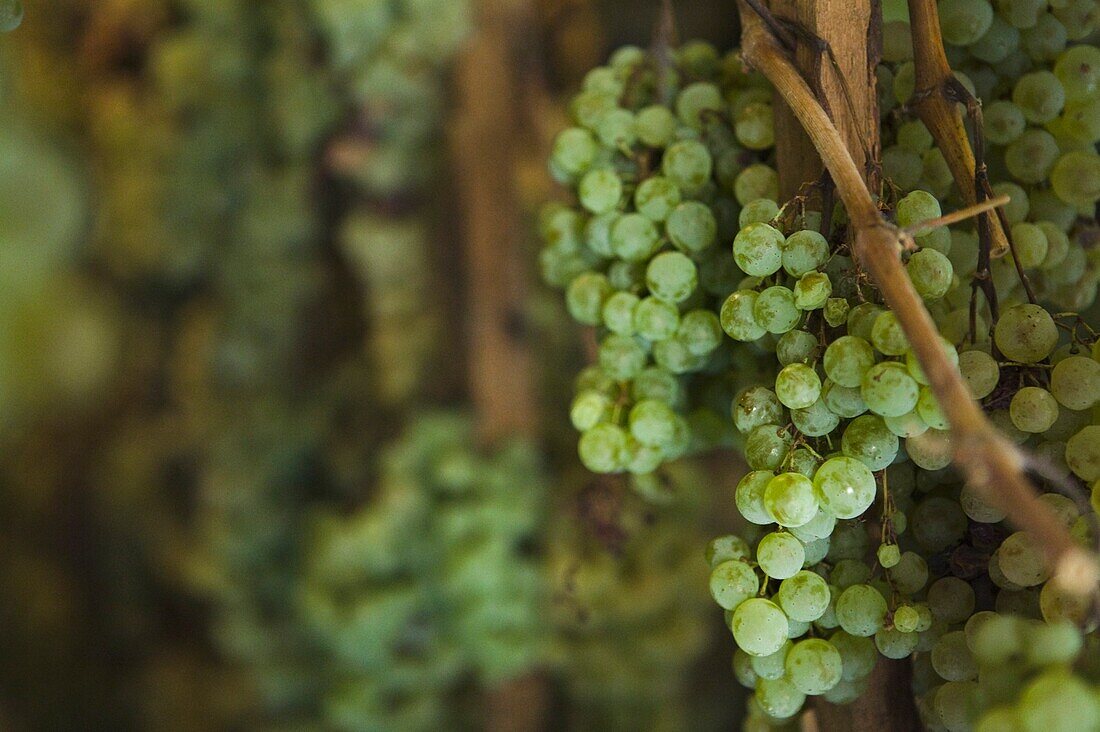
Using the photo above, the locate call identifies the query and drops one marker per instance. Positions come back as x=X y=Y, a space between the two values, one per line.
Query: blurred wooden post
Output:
x=849 y=29
x=485 y=155
x=500 y=363
x=853 y=31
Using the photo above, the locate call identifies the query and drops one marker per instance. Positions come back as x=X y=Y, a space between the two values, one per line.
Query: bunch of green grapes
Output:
x=631 y=619
x=865 y=543
x=664 y=162
x=428 y=583
x=389 y=62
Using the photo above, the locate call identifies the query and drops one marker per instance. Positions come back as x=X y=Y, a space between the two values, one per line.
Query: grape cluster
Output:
x=390 y=67
x=643 y=256
x=863 y=540
x=631 y=624
x=429 y=582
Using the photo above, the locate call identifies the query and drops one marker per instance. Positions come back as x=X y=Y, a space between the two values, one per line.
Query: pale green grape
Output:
x=749 y=496
x=937 y=523
x=772 y=665
x=758 y=249
x=754 y=126
x=1040 y=96
x=1057 y=701
x=724 y=548
x=887 y=335
x=888 y=555
x=861 y=610
x=1000 y=40
x=737 y=317
x=697 y=101
x=917 y=207
x=655 y=125
x=700 y=331
x=778 y=698
x=656 y=320
x=759 y=627
x=812 y=291
x=952 y=659
x=732 y=582
x=671 y=277
x=760 y=211
x=963 y=22
x=930 y=272
x=617 y=128
x=1083 y=453
x=910 y=574
x=1026 y=333
x=797 y=386
x=861 y=319
x=814 y=666
x=816 y=420
x=780 y=555
x=756 y=406
x=867 y=439
x=892 y=643
x=1004 y=122
x=652 y=423
x=1076 y=178
x=775 y=309
x=845 y=487
x=980 y=372
x=602 y=448
x=847 y=359
x=574 y=150
x=843 y=401
x=621 y=357
x=656 y=197
x=789 y=499
x=889 y=390
x=929 y=410
x=589 y=408
x=1075 y=382
x=585 y=297
x=1031 y=156
x=909 y=424
x=618 y=313
x=687 y=164
x=1022 y=560
x=796 y=346
x=1030 y=243
x=804 y=251
x=600 y=190
x=691 y=227
x=634 y=238
x=804 y=596
x=756 y=181
x=1034 y=409
x=1078 y=69
x=951 y=600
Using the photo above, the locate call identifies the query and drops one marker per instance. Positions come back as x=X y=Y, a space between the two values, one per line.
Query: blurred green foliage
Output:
x=240 y=488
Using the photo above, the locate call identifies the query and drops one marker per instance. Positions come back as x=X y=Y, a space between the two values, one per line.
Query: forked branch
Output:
x=991 y=463
x=934 y=100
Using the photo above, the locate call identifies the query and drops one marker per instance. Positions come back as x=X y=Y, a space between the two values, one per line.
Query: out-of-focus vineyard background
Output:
x=252 y=473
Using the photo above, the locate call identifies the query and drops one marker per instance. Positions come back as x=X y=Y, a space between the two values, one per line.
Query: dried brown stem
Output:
x=935 y=104
x=990 y=462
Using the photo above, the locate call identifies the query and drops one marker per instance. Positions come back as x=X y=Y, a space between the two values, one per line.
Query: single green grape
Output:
x=789 y=499
x=845 y=487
